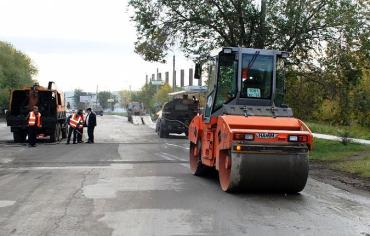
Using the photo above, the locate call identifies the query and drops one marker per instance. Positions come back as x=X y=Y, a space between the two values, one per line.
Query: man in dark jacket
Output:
x=90 y=123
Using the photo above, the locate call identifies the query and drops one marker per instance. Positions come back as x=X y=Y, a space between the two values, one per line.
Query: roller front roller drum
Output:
x=285 y=170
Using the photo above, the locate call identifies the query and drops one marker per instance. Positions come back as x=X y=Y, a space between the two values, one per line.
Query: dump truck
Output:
x=176 y=115
x=134 y=109
x=51 y=106
x=98 y=110
x=246 y=132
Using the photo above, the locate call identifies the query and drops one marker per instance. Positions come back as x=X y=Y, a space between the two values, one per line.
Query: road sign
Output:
x=85 y=99
x=157 y=82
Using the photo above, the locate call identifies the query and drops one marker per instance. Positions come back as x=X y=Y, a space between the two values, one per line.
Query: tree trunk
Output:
x=262 y=34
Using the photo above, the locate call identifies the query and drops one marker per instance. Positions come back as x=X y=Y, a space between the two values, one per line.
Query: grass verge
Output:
x=358 y=167
x=326 y=150
x=340 y=157
x=352 y=131
x=116 y=113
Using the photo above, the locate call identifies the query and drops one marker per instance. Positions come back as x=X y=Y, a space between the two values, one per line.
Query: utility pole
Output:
x=96 y=101
x=191 y=76
x=173 y=74
x=182 y=78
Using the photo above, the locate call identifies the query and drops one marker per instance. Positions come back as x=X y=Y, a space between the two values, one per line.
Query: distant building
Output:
x=68 y=96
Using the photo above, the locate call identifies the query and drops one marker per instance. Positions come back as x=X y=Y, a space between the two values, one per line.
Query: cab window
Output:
x=257 y=76
x=227 y=80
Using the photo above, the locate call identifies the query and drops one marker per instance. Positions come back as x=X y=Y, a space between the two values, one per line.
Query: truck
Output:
x=51 y=105
x=246 y=132
x=98 y=110
x=134 y=109
x=176 y=115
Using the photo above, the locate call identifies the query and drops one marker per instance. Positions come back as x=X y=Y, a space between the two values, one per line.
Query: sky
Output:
x=80 y=43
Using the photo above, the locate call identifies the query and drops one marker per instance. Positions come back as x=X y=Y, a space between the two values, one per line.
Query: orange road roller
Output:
x=245 y=131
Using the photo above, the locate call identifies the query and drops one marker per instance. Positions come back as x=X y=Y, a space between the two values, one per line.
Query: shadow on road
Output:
x=212 y=179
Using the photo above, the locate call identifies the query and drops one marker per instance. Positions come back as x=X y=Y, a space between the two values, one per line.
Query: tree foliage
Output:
x=161 y=95
x=16 y=71
x=200 y=26
x=103 y=97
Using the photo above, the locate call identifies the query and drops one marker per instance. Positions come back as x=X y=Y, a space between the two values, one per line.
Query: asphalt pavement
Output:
x=131 y=182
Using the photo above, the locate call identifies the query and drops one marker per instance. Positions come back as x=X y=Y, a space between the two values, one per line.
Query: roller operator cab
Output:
x=245 y=132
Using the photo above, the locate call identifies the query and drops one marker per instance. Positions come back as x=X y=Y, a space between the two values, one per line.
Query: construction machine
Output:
x=51 y=106
x=176 y=115
x=134 y=109
x=245 y=132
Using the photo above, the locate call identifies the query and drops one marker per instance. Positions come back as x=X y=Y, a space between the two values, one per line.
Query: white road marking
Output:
x=185 y=165
x=108 y=188
x=6 y=203
x=112 y=166
x=175 y=145
x=157 y=222
x=6 y=160
x=172 y=158
x=166 y=157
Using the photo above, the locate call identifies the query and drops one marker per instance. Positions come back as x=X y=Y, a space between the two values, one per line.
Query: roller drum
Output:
x=279 y=171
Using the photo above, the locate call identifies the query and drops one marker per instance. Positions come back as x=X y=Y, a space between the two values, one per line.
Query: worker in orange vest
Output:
x=34 y=123
x=75 y=123
x=80 y=128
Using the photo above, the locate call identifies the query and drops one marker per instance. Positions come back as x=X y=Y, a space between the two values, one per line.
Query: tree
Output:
x=76 y=98
x=146 y=96
x=125 y=97
x=103 y=97
x=200 y=26
x=161 y=95
x=16 y=71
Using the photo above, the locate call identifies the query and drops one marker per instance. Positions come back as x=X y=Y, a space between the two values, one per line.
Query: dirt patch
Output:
x=321 y=171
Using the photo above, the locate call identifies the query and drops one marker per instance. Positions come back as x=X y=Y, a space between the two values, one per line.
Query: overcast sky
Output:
x=79 y=43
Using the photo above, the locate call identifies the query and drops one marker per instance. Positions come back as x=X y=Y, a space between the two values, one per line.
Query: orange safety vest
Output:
x=32 y=119
x=74 y=121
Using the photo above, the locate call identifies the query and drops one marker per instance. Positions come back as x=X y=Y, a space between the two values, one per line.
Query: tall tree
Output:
x=16 y=71
x=103 y=97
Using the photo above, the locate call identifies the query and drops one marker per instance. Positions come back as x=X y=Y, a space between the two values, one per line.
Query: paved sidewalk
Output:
x=336 y=138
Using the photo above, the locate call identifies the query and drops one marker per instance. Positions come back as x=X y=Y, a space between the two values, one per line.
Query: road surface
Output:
x=133 y=183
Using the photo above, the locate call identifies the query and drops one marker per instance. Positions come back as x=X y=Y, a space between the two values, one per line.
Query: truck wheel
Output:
x=19 y=136
x=162 y=133
x=54 y=135
x=196 y=166
x=64 y=132
x=58 y=133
